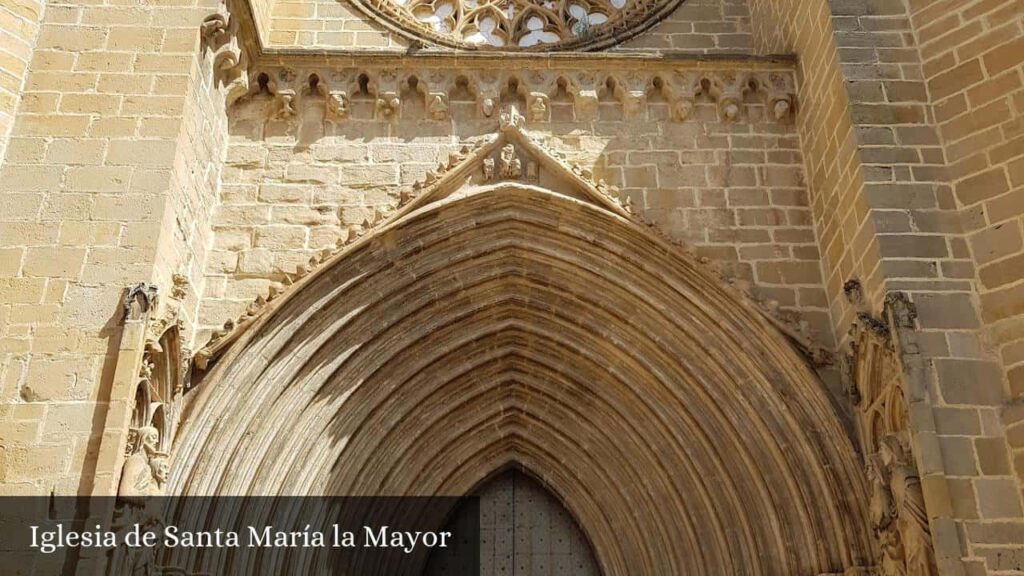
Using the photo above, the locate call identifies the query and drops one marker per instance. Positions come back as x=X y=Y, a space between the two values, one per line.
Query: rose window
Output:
x=520 y=24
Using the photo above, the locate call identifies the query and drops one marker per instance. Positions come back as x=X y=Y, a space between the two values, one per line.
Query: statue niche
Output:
x=898 y=515
x=158 y=393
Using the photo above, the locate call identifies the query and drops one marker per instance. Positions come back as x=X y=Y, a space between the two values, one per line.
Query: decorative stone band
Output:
x=735 y=92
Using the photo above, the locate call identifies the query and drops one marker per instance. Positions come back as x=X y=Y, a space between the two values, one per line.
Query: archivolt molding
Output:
x=463 y=335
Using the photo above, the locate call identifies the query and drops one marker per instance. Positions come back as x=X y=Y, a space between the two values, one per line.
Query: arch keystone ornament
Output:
x=523 y=317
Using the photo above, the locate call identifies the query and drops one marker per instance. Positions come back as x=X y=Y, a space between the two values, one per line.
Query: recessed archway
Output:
x=512 y=324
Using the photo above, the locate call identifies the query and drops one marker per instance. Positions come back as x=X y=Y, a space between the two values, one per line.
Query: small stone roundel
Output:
x=507 y=25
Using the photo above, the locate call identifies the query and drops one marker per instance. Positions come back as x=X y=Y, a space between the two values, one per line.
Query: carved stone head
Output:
x=146 y=440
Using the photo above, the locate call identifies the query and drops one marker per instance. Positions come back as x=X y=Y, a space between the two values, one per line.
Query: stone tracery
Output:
x=897 y=505
x=521 y=24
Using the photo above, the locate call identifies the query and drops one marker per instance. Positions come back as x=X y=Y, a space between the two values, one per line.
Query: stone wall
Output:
x=732 y=189
x=972 y=64
x=886 y=201
x=19 y=24
x=698 y=26
x=108 y=177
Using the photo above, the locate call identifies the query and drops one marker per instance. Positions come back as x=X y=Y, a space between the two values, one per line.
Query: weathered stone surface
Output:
x=887 y=150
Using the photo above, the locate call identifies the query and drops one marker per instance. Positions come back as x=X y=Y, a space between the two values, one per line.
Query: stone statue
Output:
x=145 y=470
x=908 y=503
x=511 y=167
x=143 y=476
x=882 y=512
x=438 y=108
x=488 y=169
x=337 y=104
x=538 y=109
x=285 y=105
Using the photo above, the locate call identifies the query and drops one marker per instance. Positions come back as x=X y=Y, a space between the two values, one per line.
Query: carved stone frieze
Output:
x=733 y=93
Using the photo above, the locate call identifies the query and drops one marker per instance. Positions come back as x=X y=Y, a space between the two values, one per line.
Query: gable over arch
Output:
x=508 y=324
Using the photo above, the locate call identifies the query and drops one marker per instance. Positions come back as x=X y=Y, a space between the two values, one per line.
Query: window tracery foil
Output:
x=521 y=24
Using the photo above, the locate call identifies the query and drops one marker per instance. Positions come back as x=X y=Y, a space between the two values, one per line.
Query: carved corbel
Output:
x=337 y=104
x=219 y=32
x=388 y=100
x=388 y=105
x=284 y=104
x=584 y=87
x=488 y=90
x=336 y=101
x=725 y=89
x=781 y=96
x=680 y=89
x=631 y=91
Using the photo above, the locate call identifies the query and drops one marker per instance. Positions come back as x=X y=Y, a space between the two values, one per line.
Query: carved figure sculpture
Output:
x=213 y=26
x=337 y=105
x=538 y=109
x=908 y=502
x=438 y=109
x=683 y=108
x=285 y=106
x=145 y=470
x=532 y=174
x=730 y=109
x=488 y=169
x=511 y=167
x=144 y=474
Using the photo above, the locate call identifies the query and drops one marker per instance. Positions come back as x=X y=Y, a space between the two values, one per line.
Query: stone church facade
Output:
x=730 y=286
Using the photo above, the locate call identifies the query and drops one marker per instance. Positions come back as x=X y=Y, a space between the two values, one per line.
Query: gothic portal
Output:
x=678 y=287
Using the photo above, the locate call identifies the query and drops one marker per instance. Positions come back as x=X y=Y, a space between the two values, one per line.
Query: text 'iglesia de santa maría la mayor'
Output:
x=698 y=287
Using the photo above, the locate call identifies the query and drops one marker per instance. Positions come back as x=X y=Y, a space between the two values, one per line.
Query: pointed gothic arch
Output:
x=506 y=323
